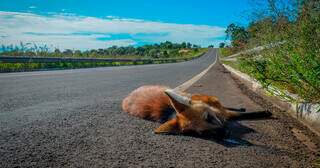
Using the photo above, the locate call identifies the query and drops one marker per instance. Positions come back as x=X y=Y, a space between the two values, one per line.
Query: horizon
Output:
x=98 y=24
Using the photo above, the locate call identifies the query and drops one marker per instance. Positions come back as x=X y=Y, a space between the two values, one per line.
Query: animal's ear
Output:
x=179 y=102
x=169 y=127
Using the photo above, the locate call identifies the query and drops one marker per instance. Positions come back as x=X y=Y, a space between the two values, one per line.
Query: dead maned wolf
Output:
x=182 y=112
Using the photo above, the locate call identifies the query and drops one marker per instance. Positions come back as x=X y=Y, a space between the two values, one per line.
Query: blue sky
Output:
x=79 y=24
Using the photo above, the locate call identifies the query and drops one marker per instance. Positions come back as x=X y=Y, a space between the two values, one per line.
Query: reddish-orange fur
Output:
x=147 y=102
x=150 y=102
x=202 y=114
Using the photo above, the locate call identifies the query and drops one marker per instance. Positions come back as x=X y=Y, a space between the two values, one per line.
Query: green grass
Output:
x=280 y=88
x=32 y=66
x=284 y=69
x=19 y=67
x=226 y=52
x=233 y=64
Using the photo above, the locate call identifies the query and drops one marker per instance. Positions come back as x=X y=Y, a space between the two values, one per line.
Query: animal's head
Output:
x=194 y=113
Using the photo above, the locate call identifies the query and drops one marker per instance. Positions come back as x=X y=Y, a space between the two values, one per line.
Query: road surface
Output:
x=73 y=118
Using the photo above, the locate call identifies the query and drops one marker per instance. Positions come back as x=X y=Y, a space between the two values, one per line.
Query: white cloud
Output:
x=112 y=17
x=80 y=32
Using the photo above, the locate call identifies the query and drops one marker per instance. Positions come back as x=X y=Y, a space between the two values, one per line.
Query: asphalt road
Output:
x=73 y=118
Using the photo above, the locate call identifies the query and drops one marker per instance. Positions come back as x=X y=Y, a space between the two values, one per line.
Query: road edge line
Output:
x=187 y=84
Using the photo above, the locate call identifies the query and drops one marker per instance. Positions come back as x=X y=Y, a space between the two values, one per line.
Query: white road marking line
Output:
x=184 y=86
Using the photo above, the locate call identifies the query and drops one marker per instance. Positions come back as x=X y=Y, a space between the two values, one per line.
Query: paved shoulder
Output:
x=263 y=143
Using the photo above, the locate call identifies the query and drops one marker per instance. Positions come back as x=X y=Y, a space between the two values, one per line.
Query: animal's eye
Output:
x=212 y=119
x=207 y=117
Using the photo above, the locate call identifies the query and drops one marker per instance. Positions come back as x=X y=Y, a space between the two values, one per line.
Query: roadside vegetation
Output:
x=163 y=50
x=293 y=63
x=166 y=52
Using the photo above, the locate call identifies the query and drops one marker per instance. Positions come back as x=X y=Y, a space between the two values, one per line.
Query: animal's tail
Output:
x=248 y=115
x=236 y=109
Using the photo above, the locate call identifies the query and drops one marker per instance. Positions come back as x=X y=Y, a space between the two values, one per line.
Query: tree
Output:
x=68 y=52
x=154 y=53
x=238 y=35
x=164 y=49
x=166 y=45
x=57 y=51
x=77 y=53
x=184 y=45
x=222 y=45
x=165 y=53
x=195 y=46
x=189 y=45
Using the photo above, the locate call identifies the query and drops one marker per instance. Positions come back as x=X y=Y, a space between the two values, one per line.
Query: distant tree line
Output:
x=162 y=50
